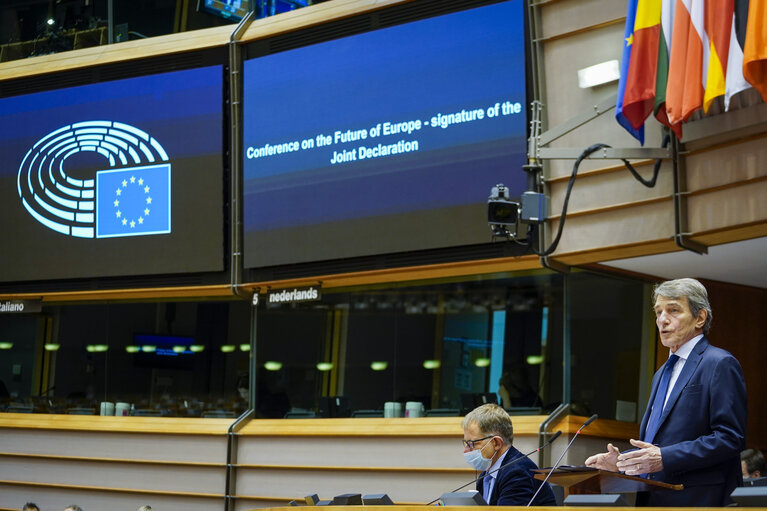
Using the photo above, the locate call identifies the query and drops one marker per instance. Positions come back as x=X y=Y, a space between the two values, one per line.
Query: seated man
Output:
x=752 y=464
x=487 y=438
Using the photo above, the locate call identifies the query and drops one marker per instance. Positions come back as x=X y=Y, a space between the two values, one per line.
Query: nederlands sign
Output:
x=19 y=306
x=295 y=295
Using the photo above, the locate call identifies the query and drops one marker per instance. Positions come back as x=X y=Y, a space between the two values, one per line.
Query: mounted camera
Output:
x=502 y=213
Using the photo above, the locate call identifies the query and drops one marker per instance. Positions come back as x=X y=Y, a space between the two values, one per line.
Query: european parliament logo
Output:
x=130 y=198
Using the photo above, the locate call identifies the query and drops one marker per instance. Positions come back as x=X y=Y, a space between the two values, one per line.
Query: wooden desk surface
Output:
x=524 y=425
x=169 y=425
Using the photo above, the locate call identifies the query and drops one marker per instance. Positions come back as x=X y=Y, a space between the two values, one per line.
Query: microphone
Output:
x=551 y=471
x=551 y=441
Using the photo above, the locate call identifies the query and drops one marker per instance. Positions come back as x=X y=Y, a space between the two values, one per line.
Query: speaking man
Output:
x=487 y=438
x=694 y=427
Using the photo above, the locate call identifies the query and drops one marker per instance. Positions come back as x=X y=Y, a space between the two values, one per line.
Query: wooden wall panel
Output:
x=624 y=226
x=275 y=460
x=113 y=462
x=730 y=163
x=737 y=312
x=55 y=499
x=572 y=15
x=613 y=189
x=181 y=448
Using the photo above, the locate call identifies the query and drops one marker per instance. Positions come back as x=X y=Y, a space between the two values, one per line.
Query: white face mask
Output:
x=477 y=460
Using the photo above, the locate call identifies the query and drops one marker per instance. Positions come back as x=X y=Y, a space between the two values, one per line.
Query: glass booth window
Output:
x=161 y=359
x=448 y=346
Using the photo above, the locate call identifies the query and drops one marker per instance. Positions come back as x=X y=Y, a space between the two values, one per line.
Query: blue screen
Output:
x=123 y=177
x=383 y=142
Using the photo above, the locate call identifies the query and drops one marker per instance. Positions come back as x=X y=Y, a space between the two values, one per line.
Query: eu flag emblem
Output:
x=133 y=201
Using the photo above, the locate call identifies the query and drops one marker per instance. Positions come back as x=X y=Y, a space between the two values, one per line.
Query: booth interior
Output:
x=448 y=346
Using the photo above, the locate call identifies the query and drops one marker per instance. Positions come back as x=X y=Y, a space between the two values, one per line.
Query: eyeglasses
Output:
x=470 y=443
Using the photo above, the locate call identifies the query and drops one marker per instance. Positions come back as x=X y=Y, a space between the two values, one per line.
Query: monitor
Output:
x=120 y=177
x=377 y=499
x=229 y=9
x=163 y=351
x=348 y=499
x=385 y=141
x=754 y=496
x=463 y=498
x=755 y=481
x=607 y=500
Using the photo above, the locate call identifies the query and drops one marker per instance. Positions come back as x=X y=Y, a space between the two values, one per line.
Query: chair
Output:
x=367 y=413
x=301 y=414
x=218 y=414
x=147 y=412
x=20 y=408
x=81 y=411
x=523 y=410
x=443 y=412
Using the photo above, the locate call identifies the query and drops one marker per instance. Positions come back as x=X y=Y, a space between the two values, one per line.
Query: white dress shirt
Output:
x=683 y=353
x=493 y=470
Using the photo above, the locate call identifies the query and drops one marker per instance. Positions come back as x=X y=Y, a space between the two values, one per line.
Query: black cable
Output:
x=656 y=168
x=587 y=152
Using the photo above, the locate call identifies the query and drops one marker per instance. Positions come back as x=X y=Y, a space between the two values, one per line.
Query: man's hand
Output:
x=645 y=460
x=606 y=460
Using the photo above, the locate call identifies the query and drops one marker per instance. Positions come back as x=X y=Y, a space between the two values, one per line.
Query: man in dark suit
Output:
x=694 y=427
x=487 y=440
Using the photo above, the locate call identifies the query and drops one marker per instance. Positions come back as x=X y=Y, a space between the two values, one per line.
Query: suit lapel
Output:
x=689 y=368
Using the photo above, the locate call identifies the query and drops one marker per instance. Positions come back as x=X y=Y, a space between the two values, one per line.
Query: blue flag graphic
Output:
x=133 y=201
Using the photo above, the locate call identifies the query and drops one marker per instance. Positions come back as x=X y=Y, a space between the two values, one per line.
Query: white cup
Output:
x=414 y=409
x=392 y=409
x=107 y=408
x=122 y=409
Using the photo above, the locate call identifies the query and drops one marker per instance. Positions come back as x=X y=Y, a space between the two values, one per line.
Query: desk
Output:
x=180 y=464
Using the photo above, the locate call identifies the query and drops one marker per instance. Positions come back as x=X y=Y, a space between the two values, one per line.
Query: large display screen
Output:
x=115 y=178
x=386 y=141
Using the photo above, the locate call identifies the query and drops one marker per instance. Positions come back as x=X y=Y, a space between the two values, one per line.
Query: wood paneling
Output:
x=116 y=462
x=154 y=425
x=121 y=52
x=737 y=312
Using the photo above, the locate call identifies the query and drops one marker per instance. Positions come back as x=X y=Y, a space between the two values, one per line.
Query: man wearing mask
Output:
x=487 y=445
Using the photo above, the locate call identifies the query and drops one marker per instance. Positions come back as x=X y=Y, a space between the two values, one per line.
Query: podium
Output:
x=585 y=480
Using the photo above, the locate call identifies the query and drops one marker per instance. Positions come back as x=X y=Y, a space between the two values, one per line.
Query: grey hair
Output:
x=491 y=419
x=691 y=289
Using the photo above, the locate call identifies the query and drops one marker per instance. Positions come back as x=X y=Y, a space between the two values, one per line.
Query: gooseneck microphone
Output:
x=551 y=441
x=551 y=471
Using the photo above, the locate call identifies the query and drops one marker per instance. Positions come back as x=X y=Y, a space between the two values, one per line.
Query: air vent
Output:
x=320 y=33
x=151 y=66
x=424 y=9
x=96 y=284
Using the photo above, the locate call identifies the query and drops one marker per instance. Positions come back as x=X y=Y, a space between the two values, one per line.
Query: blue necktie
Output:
x=487 y=480
x=653 y=423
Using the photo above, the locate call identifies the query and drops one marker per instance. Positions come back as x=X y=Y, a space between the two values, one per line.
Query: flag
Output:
x=718 y=19
x=133 y=201
x=639 y=97
x=664 y=50
x=755 y=49
x=685 y=68
x=628 y=37
x=735 y=82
